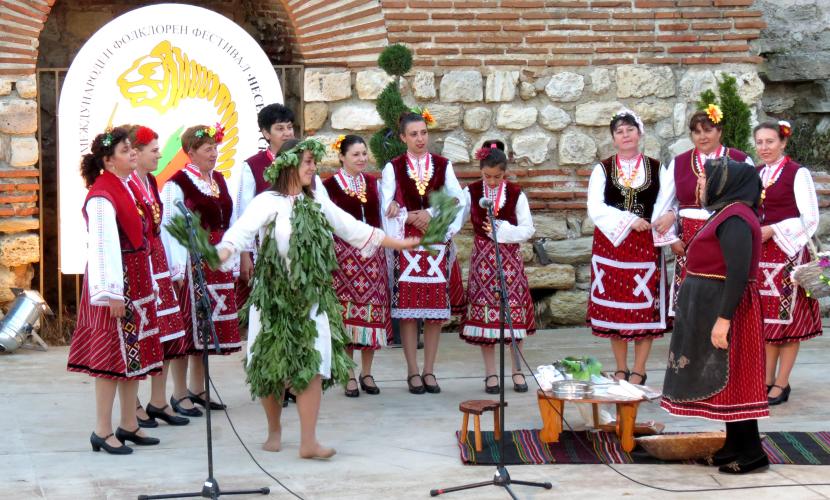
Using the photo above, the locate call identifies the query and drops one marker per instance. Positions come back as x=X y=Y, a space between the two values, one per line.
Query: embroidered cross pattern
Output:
x=640 y=272
x=434 y=274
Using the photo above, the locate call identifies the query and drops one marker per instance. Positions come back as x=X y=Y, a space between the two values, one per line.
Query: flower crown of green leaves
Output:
x=291 y=158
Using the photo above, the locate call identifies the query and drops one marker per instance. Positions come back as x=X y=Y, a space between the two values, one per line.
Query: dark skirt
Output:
x=706 y=382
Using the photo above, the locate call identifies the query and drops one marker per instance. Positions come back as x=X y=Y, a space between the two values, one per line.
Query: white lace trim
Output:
x=202 y=185
x=372 y=244
x=496 y=194
x=421 y=313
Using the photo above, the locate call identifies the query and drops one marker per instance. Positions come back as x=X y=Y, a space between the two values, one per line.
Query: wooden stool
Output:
x=476 y=407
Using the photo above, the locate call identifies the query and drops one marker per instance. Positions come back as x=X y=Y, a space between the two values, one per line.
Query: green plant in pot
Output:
x=579 y=368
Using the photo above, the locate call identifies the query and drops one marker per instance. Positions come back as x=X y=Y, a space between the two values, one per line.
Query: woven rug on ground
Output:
x=524 y=447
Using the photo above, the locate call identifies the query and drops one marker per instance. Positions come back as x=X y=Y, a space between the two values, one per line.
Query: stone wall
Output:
x=555 y=125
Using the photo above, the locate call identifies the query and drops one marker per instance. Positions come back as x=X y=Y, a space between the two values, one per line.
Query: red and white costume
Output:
x=215 y=209
x=118 y=267
x=627 y=300
x=361 y=283
x=514 y=225
x=422 y=282
x=790 y=207
x=171 y=326
x=678 y=193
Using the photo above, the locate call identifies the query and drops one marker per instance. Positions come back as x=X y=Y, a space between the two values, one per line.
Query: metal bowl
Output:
x=571 y=389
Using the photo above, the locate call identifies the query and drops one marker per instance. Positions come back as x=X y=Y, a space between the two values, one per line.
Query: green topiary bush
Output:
x=396 y=60
x=385 y=144
x=737 y=126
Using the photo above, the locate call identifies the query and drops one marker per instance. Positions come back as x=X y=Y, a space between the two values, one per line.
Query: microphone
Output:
x=183 y=209
x=485 y=202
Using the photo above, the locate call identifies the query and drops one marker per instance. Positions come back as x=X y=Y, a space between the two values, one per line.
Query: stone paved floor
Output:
x=395 y=445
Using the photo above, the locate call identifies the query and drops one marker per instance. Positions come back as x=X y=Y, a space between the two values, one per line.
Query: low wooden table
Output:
x=553 y=407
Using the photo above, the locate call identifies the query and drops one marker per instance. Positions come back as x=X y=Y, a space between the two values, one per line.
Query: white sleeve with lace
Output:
x=792 y=234
x=614 y=223
x=105 y=274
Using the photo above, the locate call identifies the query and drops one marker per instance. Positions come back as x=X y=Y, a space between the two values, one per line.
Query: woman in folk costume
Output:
x=421 y=286
x=627 y=300
x=678 y=201
x=514 y=225
x=716 y=357
x=296 y=332
x=171 y=327
x=204 y=192
x=362 y=284
x=789 y=218
x=116 y=337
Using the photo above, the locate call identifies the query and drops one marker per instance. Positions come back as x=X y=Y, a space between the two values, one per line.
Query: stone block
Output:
x=679 y=118
x=680 y=146
x=565 y=87
x=26 y=87
x=18 y=116
x=462 y=86
x=597 y=114
x=573 y=251
x=642 y=81
x=652 y=112
x=501 y=86
x=19 y=249
x=527 y=91
x=332 y=159
x=554 y=118
x=18 y=224
x=17 y=277
x=750 y=87
x=320 y=87
x=370 y=83
x=356 y=116
x=694 y=82
x=24 y=151
x=587 y=226
x=652 y=146
x=456 y=150
x=315 y=116
x=551 y=226
x=563 y=308
x=446 y=117
x=423 y=85
x=532 y=146
x=576 y=148
x=477 y=119
x=515 y=117
x=551 y=277
x=5 y=86
x=600 y=80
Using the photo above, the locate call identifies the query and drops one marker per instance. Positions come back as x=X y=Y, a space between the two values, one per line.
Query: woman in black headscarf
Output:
x=716 y=358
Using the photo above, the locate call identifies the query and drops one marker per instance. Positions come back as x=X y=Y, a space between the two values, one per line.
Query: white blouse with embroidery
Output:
x=505 y=231
x=614 y=223
x=395 y=226
x=791 y=235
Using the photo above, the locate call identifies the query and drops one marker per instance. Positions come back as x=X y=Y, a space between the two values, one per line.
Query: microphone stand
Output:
x=502 y=477
x=207 y=332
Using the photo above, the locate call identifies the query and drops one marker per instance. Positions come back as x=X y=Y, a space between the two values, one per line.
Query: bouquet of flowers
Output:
x=811 y=277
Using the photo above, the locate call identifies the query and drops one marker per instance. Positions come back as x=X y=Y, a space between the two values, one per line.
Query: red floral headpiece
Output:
x=484 y=153
x=216 y=132
x=144 y=136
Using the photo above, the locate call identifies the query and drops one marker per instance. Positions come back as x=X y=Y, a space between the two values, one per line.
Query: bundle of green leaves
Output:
x=579 y=368
x=445 y=209
x=201 y=239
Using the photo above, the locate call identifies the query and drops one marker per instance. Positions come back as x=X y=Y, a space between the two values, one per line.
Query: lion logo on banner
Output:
x=164 y=77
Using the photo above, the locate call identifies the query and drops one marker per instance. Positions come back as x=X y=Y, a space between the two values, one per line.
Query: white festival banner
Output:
x=168 y=67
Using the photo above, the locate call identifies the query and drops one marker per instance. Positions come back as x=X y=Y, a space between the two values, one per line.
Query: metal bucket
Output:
x=22 y=319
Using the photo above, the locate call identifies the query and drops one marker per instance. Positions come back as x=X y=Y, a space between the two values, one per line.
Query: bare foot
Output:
x=274 y=441
x=317 y=451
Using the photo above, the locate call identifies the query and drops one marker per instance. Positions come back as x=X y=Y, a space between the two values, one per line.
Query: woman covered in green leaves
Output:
x=296 y=336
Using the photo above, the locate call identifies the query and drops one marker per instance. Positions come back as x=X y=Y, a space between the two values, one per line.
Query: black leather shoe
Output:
x=99 y=442
x=369 y=389
x=147 y=423
x=519 y=387
x=187 y=412
x=197 y=399
x=122 y=435
x=717 y=459
x=781 y=398
x=415 y=389
x=431 y=388
x=159 y=413
x=491 y=389
x=643 y=378
x=352 y=393
x=744 y=466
